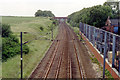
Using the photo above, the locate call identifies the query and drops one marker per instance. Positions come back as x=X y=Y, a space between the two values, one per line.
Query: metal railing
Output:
x=105 y=42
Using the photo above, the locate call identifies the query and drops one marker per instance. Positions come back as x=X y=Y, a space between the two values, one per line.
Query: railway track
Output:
x=82 y=75
x=76 y=47
x=62 y=59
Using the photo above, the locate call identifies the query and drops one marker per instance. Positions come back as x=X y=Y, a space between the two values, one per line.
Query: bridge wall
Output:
x=61 y=18
x=101 y=42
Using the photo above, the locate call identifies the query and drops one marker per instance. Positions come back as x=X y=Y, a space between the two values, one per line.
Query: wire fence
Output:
x=104 y=41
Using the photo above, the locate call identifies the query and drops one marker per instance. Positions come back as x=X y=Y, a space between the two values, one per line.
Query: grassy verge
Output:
x=39 y=43
x=107 y=73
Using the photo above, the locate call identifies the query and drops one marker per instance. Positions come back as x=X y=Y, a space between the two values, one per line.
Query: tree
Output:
x=115 y=8
x=44 y=13
x=95 y=16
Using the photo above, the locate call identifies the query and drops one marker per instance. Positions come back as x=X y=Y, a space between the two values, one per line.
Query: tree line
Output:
x=95 y=16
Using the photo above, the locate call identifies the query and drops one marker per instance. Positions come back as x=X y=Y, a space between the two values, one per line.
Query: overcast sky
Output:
x=58 y=7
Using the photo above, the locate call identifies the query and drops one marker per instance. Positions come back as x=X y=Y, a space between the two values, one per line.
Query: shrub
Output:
x=10 y=44
x=6 y=30
x=41 y=28
x=9 y=48
x=25 y=49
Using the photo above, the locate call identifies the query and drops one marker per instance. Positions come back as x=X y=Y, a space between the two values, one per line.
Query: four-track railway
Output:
x=62 y=60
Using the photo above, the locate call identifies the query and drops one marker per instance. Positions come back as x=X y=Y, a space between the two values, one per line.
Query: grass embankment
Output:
x=38 y=47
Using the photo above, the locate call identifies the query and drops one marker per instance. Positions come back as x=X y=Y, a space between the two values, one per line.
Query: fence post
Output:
x=113 y=50
x=105 y=51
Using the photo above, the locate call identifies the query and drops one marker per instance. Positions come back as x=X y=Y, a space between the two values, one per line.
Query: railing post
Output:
x=94 y=37
x=100 y=49
x=96 y=34
x=119 y=64
x=90 y=33
x=105 y=51
x=101 y=37
x=109 y=42
x=86 y=29
x=113 y=50
x=80 y=27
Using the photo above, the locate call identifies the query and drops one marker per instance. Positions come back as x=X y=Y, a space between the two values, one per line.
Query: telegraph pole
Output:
x=21 y=56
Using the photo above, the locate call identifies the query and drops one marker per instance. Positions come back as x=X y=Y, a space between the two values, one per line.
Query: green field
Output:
x=38 y=47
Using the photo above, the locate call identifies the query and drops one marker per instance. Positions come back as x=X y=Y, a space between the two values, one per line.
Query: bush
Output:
x=25 y=49
x=9 y=48
x=10 y=44
x=41 y=28
x=6 y=31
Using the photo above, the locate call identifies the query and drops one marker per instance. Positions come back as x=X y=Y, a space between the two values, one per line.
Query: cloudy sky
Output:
x=58 y=7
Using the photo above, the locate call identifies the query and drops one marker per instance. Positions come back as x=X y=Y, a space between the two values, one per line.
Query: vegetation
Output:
x=93 y=59
x=107 y=73
x=10 y=44
x=38 y=43
x=115 y=8
x=96 y=16
x=52 y=26
x=44 y=13
x=6 y=31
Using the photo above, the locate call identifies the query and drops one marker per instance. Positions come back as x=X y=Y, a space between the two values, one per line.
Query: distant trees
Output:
x=44 y=13
x=10 y=43
x=95 y=16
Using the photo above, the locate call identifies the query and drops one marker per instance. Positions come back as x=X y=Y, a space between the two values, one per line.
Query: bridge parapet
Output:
x=103 y=43
x=61 y=19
